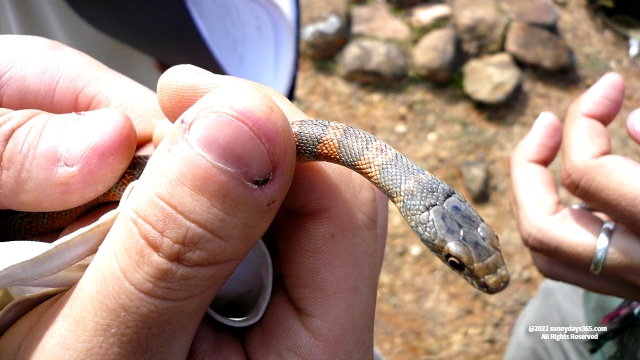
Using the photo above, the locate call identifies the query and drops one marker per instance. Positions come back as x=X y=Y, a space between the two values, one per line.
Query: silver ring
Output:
x=602 y=245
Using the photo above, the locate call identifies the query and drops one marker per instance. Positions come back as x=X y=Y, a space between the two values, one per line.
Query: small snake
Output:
x=445 y=222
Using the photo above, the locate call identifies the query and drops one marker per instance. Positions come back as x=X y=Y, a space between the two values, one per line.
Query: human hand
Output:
x=191 y=220
x=561 y=239
x=62 y=113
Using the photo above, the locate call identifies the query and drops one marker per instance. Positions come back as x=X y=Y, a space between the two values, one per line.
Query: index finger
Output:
x=606 y=182
x=533 y=188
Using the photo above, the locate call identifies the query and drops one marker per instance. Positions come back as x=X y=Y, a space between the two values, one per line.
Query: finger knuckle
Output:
x=171 y=234
x=572 y=176
x=174 y=256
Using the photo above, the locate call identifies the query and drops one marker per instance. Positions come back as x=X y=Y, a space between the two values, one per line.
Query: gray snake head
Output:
x=455 y=233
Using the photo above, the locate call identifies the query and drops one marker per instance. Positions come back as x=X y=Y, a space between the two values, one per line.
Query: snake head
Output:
x=461 y=239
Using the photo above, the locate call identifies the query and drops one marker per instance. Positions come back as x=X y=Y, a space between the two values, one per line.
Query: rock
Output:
x=535 y=12
x=491 y=79
x=372 y=61
x=536 y=46
x=375 y=20
x=434 y=56
x=475 y=176
x=479 y=25
x=425 y=16
x=324 y=38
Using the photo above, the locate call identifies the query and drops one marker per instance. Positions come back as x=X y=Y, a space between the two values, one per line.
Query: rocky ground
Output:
x=424 y=310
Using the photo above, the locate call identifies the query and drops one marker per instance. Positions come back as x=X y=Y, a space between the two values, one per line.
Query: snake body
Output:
x=445 y=222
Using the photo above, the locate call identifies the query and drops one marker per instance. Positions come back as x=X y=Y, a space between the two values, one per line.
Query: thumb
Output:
x=208 y=194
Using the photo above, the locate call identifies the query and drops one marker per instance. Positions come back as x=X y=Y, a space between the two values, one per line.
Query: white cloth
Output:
x=32 y=271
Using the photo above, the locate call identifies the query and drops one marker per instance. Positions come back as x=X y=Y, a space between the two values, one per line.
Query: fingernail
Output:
x=229 y=143
x=82 y=134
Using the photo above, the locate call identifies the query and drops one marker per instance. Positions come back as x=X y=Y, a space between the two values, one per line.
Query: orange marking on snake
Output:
x=329 y=146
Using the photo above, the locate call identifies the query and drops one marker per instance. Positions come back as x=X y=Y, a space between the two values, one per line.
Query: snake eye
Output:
x=455 y=263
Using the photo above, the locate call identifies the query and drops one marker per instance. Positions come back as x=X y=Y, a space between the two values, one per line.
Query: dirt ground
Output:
x=424 y=310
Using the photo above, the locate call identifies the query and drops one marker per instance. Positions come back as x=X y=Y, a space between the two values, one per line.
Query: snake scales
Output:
x=445 y=222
